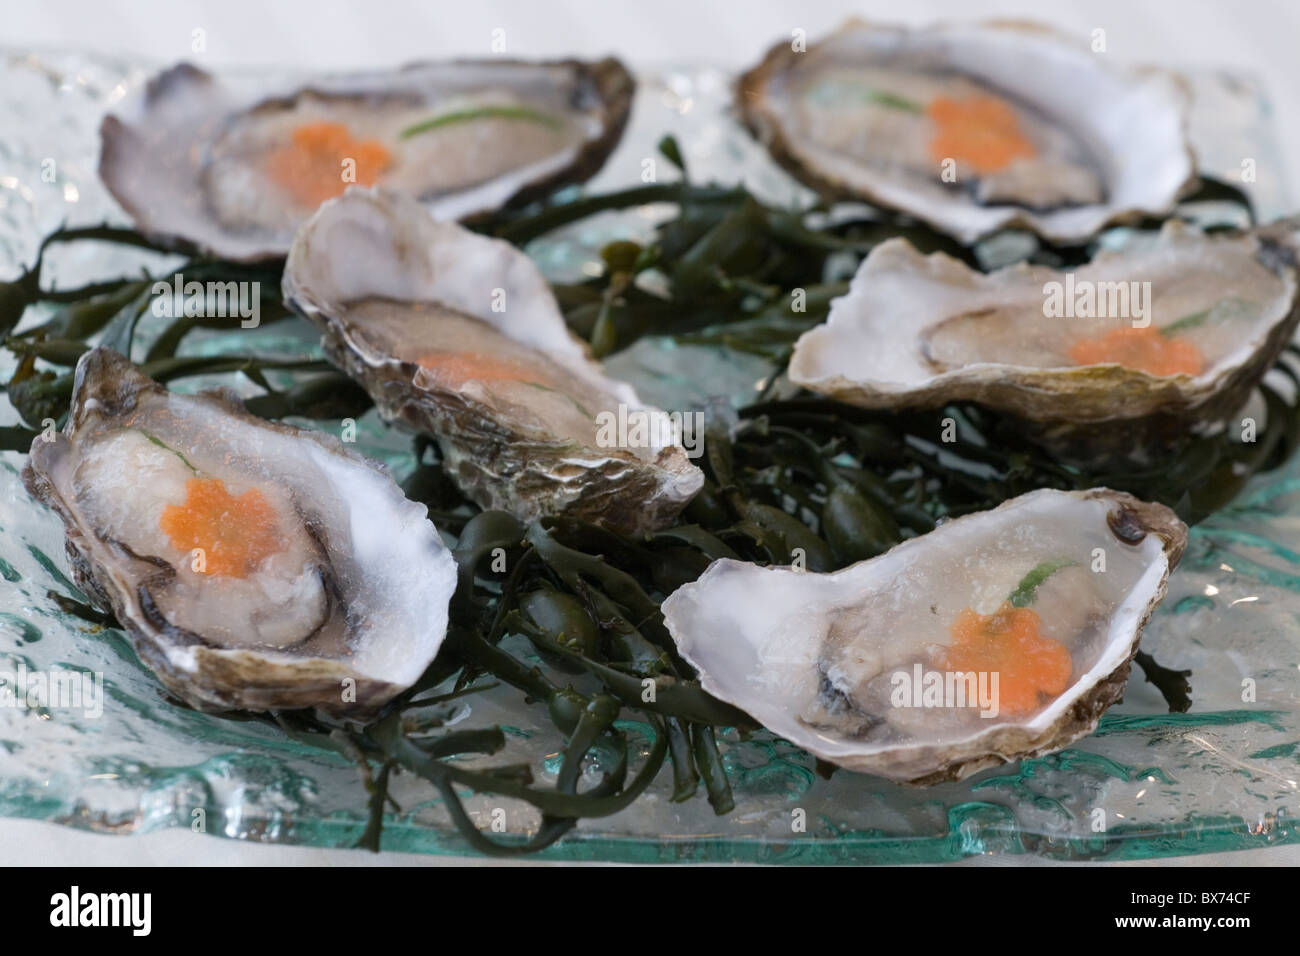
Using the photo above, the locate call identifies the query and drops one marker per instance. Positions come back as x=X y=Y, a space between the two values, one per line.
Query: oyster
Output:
x=973 y=127
x=234 y=175
x=255 y=566
x=1135 y=349
x=1000 y=635
x=458 y=336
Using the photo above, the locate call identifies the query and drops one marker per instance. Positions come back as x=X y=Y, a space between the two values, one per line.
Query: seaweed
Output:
x=791 y=478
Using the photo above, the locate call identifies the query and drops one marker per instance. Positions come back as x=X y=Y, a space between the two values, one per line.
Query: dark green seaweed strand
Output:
x=709 y=762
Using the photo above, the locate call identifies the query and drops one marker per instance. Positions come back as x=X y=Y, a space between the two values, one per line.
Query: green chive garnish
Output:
x=894 y=101
x=159 y=442
x=483 y=112
x=1186 y=322
x=1200 y=318
x=1025 y=591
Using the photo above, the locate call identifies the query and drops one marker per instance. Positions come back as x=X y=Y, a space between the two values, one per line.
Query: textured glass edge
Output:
x=1120 y=844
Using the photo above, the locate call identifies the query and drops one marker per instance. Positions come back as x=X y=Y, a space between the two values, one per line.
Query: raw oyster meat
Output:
x=255 y=566
x=1137 y=348
x=974 y=127
x=999 y=635
x=458 y=336
x=233 y=174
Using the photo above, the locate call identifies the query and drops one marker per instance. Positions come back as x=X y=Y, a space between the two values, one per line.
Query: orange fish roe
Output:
x=456 y=368
x=1145 y=349
x=235 y=533
x=1007 y=642
x=311 y=166
x=980 y=130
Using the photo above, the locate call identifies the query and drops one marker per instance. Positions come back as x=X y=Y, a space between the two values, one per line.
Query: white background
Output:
x=1260 y=37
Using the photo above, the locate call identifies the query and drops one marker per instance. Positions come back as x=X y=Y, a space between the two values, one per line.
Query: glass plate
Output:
x=1148 y=783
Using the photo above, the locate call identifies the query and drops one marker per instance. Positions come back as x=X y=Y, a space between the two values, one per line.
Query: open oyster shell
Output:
x=458 y=336
x=1050 y=591
x=234 y=174
x=973 y=127
x=255 y=566
x=1136 y=349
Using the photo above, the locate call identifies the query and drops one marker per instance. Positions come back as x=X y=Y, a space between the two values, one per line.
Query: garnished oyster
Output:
x=973 y=127
x=1137 y=348
x=234 y=174
x=255 y=566
x=458 y=336
x=1000 y=635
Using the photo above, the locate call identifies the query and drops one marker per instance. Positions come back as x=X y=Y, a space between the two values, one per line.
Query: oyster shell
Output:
x=234 y=174
x=973 y=127
x=458 y=336
x=840 y=663
x=1144 y=346
x=255 y=566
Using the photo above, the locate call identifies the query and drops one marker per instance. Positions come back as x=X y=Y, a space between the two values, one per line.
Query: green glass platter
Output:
x=1148 y=783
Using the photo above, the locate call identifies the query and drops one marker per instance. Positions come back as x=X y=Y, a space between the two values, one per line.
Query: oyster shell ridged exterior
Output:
x=1131 y=122
x=775 y=641
x=351 y=617
x=880 y=346
x=405 y=306
x=187 y=163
